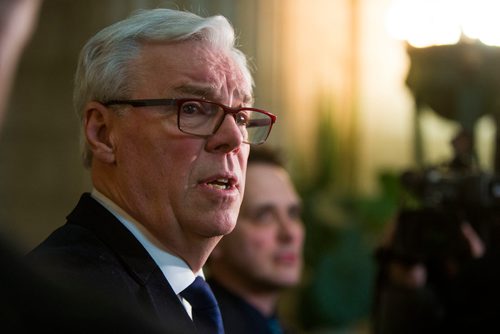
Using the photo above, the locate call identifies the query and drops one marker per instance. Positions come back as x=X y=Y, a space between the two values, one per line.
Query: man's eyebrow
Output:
x=199 y=91
x=207 y=92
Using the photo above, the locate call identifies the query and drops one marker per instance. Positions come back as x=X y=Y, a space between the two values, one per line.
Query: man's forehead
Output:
x=195 y=69
x=266 y=181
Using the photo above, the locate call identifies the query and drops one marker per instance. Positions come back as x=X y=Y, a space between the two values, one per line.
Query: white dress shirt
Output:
x=177 y=272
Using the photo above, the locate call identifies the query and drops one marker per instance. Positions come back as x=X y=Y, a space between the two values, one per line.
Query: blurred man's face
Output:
x=265 y=249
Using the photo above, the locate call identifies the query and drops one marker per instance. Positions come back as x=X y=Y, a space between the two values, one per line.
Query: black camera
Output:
x=443 y=188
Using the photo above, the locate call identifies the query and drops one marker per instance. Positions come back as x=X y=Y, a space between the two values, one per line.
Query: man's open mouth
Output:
x=221 y=183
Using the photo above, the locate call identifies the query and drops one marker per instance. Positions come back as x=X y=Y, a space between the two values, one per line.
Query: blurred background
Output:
x=361 y=96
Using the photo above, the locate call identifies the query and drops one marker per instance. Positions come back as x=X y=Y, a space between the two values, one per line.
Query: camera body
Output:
x=431 y=231
x=448 y=189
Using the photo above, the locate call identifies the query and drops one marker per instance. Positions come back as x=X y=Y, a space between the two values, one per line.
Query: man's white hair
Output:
x=103 y=70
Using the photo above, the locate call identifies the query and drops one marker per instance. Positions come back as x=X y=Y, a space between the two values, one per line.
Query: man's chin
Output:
x=222 y=227
x=227 y=229
x=287 y=281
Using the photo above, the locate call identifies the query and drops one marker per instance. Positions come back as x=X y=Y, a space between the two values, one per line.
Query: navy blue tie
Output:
x=274 y=326
x=205 y=310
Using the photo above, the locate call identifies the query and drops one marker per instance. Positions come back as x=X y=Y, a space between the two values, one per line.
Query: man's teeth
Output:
x=221 y=184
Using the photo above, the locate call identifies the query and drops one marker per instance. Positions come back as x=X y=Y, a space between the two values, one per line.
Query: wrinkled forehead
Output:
x=221 y=70
x=194 y=68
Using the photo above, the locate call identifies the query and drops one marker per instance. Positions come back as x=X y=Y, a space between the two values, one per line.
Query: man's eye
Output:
x=192 y=108
x=242 y=118
x=263 y=216
x=295 y=212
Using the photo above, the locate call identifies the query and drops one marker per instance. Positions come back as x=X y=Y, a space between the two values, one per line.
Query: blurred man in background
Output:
x=250 y=268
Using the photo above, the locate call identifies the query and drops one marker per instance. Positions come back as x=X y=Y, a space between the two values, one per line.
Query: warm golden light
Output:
x=424 y=23
x=481 y=21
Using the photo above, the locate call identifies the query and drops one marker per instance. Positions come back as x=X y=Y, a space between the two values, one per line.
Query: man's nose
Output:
x=227 y=138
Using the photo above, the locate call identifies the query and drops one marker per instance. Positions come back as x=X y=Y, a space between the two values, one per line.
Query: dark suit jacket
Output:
x=238 y=316
x=94 y=249
x=32 y=303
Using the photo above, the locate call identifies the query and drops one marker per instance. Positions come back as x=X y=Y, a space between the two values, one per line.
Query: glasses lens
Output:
x=203 y=118
x=199 y=118
x=258 y=126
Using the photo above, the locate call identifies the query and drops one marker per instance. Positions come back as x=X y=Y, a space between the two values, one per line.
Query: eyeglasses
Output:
x=203 y=118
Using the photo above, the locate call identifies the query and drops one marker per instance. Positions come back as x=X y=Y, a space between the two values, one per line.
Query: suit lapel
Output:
x=156 y=291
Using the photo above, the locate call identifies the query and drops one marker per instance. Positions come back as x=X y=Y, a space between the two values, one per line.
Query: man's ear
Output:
x=97 y=127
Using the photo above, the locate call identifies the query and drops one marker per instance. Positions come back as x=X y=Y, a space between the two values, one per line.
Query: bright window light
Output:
x=424 y=23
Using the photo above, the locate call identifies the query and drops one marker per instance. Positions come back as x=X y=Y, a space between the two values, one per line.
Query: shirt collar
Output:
x=177 y=272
